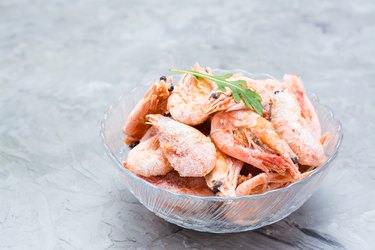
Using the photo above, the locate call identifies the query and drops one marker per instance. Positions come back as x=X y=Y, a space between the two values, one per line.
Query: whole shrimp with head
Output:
x=247 y=136
x=188 y=151
x=154 y=102
x=189 y=97
x=295 y=85
x=287 y=119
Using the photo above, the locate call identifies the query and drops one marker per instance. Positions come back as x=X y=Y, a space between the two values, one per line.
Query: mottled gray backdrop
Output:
x=63 y=62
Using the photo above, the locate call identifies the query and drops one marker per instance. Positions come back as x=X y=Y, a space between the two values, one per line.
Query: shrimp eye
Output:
x=216 y=187
x=214 y=95
x=133 y=144
x=163 y=78
x=171 y=88
x=276 y=92
x=167 y=114
x=294 y=160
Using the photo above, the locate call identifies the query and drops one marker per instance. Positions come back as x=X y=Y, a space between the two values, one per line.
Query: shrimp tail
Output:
x=325 y=139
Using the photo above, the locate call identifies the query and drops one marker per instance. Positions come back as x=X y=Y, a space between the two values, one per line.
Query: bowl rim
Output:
x=119 y=164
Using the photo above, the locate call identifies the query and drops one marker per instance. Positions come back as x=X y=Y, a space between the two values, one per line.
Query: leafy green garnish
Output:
x=238 y=87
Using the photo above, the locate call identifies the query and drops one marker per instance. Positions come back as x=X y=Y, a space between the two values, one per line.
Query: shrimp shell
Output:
x=295 y=85
x=287 y=119
x=189 y=151
x=223 y=177
x=154 y=102
x=189 y=97
x=181 y=185
x=246 y=136
x=147 y=159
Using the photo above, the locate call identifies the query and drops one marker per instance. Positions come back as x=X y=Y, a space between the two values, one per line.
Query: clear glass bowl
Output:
x=215 y=214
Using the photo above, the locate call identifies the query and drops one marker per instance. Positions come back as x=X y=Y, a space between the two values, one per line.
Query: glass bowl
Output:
x=215 y=214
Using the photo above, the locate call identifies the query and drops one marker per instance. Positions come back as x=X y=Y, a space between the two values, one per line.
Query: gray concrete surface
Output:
x=63 y=62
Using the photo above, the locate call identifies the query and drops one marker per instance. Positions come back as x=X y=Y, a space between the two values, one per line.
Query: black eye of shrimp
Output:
x=133 y=144
x=214 y=95
x=216 y=187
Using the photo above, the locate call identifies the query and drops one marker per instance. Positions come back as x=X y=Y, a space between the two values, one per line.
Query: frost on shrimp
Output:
x=147 y=159
x=223 y=177
x=154 y=102
x=181 y=185
x=189 y=97
x=151 y=132
x=295 y=85
x=188 y=151
x=287 y=119
x=249 y=137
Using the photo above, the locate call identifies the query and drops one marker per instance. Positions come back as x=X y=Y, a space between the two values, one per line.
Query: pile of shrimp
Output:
x=191 y=138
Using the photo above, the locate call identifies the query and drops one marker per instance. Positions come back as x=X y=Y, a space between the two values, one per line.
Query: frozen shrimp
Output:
x=188 y=99
x=295 y=85
x=246 y=136
x=154 y=102
x=287 y=119
x=147 y=159
x=263 y=182
x=189 y=152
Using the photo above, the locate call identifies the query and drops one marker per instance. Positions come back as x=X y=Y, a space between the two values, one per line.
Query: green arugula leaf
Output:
x=238 y=87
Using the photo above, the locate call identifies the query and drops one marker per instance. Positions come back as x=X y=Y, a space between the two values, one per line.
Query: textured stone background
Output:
x=63 y=62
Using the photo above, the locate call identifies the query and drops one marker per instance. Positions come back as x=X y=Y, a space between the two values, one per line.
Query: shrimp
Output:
x=147 y=159
x=246 y=187
x=287 y=119
x=181 y=185
x=154 y=102
x=266 y=181
x=225 y=101
x=223 y=177
x=246 y=136
x=295 y=85
x=188 y=98
x=188 y=151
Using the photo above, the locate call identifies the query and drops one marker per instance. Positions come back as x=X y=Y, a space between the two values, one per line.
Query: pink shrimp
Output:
x=250 y=138
x=188 y=151
x=266 y=181
x=295 y=85
x=154 y=102
x=188 y=98
x=147 y=159
x=287 y=119
x=223 y=177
